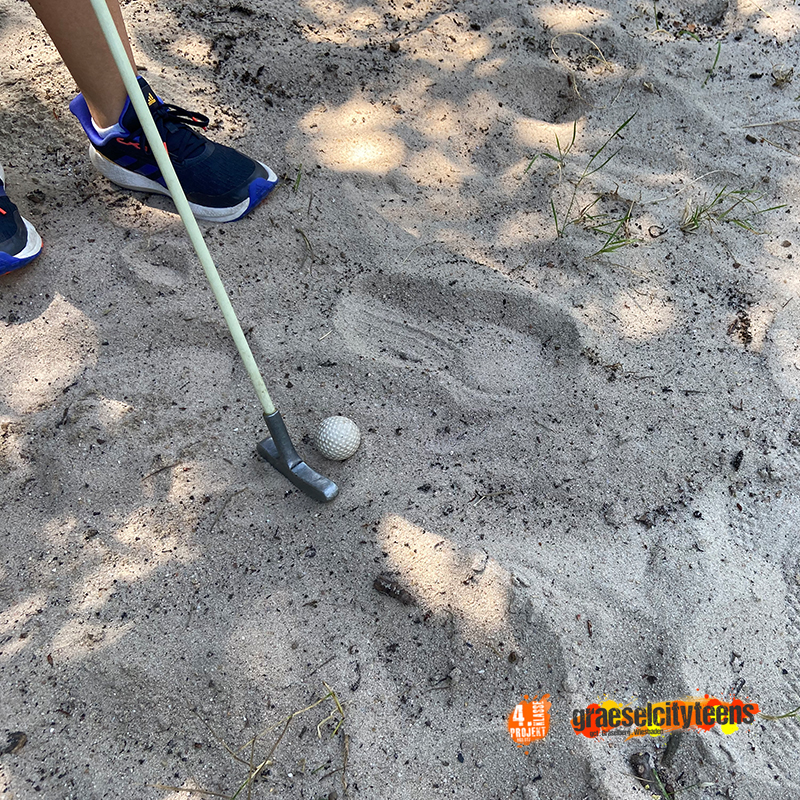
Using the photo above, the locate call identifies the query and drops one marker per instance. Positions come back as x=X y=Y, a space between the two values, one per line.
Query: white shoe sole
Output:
x=34 y=244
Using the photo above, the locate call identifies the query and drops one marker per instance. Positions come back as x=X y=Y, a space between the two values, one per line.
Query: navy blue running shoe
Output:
x=19 y=241
x=220 y=183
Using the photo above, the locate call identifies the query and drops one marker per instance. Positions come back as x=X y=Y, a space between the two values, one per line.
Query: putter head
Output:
x=278 y=450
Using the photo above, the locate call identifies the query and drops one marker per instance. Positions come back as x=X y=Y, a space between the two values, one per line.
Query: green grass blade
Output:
x=714 y=65
x=555 y=216
x=607 y=142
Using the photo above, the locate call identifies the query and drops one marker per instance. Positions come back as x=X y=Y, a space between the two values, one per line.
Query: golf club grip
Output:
x=283 y=443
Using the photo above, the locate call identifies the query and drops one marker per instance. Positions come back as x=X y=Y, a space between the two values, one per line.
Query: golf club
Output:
x=277 y=449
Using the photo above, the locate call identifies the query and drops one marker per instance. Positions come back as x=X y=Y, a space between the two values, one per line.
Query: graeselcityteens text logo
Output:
x=609 y=718
x=529 y=721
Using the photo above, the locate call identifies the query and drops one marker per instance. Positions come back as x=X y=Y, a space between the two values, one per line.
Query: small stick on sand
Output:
x=767 y=124
x=318 y=668
x=161 y=469
x=308 y=248
x=478 y=497
x=778 y=147
x=223 y=506
x=414 y=250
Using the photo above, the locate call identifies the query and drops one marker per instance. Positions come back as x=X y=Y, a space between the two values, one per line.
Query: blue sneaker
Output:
x=220 y=183
x=19 y=241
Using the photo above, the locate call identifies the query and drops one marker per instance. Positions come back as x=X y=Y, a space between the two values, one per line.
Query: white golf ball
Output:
x=337 y=438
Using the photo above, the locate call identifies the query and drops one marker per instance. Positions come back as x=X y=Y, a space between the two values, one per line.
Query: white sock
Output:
x=103 y=132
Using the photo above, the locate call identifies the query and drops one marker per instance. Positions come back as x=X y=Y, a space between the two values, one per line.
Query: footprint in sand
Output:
x=162 y=267
x=482 y=345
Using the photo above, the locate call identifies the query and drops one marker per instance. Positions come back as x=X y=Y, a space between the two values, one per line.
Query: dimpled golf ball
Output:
x=337 y=438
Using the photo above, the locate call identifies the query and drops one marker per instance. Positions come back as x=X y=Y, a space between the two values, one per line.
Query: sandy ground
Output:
x=582 y=467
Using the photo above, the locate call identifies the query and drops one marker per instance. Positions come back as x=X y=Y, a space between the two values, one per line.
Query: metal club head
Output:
x=279 y=451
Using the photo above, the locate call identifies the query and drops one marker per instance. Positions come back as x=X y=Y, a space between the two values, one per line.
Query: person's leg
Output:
x=73 y=27
x=221 y=184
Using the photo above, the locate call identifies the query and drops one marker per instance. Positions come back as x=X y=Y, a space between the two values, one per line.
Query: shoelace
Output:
x=173 y=124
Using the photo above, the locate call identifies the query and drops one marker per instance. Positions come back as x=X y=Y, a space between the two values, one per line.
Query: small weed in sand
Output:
x=795 y=712
x=616 y=231
x=738 y=206
x=596 y=162
x=562 y=152
x=257 y=768
x=296 y=184
x=652 y=777
x=714 y=65
x=655 y=16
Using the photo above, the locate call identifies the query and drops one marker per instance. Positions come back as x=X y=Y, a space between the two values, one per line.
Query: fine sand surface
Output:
x=580 y=468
